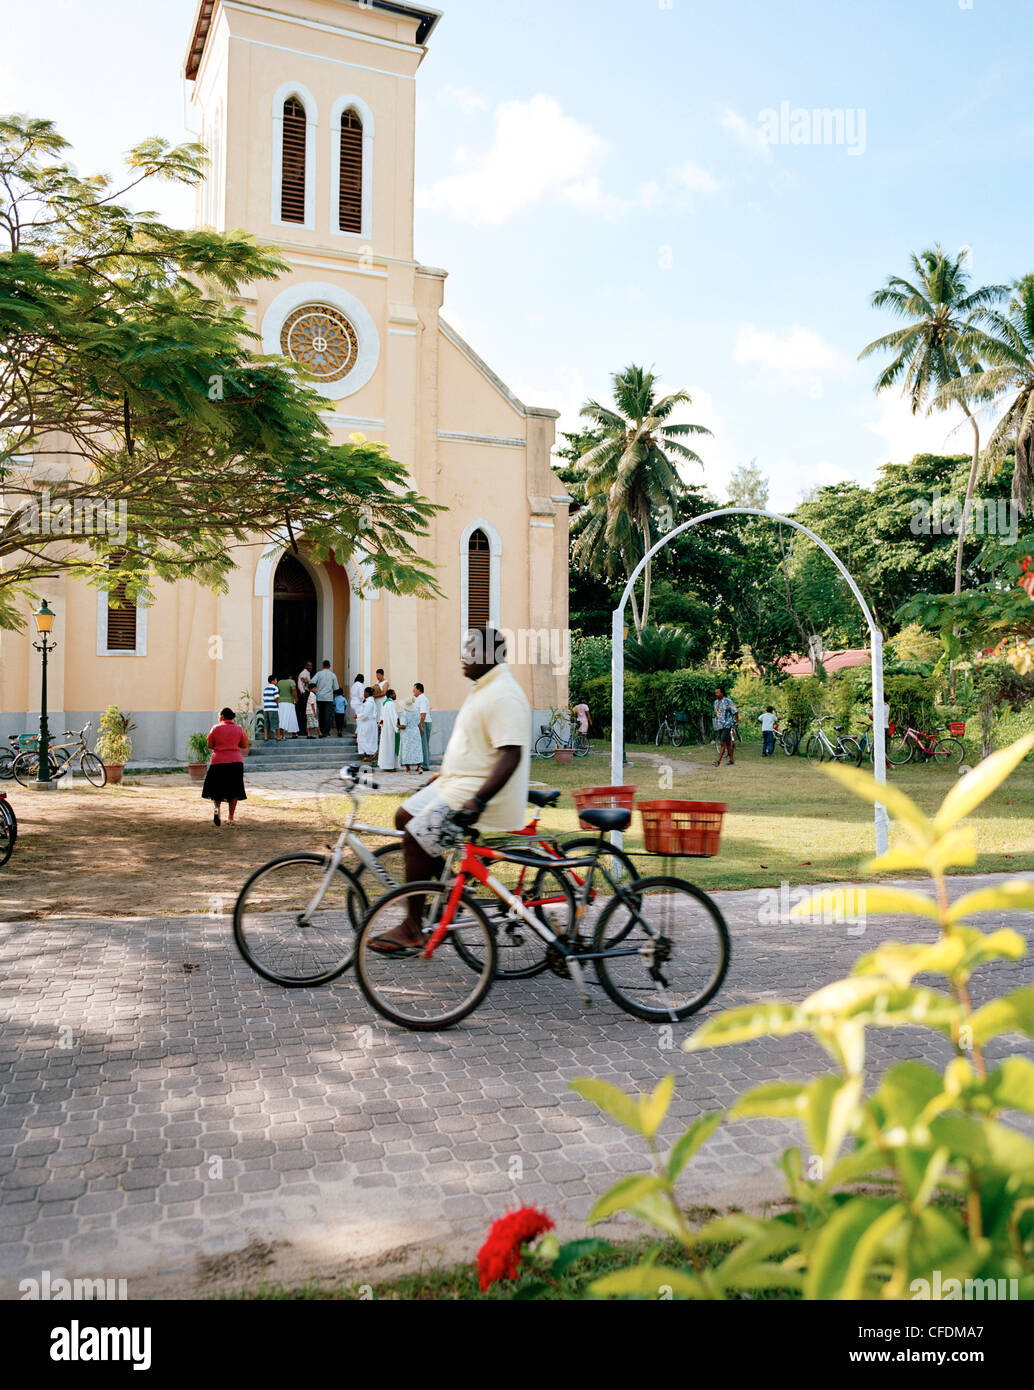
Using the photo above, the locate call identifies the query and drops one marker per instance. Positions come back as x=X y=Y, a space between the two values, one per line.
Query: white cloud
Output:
x=903 y=434
x=696 y=178
x=463 y=97
x=748 y=133
x=537 y=153
x=794 y=356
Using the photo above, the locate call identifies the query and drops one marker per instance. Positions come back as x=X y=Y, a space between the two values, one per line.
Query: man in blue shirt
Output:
x=726 y=717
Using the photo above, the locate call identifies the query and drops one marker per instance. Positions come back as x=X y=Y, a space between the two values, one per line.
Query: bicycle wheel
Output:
x=408 y=989
x=790 y=741
x=7 y=757
x=8 y=832
x=392 y=863
x=282 y=936
x=948 y=751
x=849 y=751
x=580 y=745
x=93 y=770
x=659 y=736
x=678 y=736
x=545 y=746
x=673 y=953
x=25 y=768
x=618 y=865
x=546 y=893
x=815 y=749
x=899 y=751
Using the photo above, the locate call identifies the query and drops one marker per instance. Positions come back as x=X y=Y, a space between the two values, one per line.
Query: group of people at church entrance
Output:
x=388 y=732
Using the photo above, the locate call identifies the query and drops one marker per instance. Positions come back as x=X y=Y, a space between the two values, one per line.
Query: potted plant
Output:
x=197 y=756
x=114 y=746
x=247 y=717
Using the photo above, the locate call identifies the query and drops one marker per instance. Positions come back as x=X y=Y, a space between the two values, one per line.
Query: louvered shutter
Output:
x=479 y=561
x=292 y=187
x=121 y=622
x=350 y=186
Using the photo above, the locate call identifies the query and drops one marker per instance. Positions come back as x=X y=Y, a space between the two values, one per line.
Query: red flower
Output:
x=500 y=1256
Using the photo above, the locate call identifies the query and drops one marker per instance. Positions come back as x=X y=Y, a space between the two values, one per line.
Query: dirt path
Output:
x=150 y=848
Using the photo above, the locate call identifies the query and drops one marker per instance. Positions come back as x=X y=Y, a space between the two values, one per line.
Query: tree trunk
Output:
x=635 y=612
x=646 y=573
x=970 y=485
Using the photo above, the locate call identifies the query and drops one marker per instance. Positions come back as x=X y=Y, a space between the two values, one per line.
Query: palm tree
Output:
x=1008 y=352
x=940 y=345
x=631 y=474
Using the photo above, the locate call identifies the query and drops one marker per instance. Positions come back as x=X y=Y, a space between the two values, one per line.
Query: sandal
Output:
x=385 y=947
x=215 y=819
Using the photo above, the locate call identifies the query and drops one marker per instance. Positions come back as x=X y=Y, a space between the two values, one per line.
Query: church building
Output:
x=307 y=109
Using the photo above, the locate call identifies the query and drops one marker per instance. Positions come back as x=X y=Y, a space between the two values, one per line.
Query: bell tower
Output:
x=307 y=109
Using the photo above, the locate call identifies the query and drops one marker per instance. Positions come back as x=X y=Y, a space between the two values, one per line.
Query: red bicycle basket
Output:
x=589 y=798
x=682 y=827
x=957 y=729
x=891 y=728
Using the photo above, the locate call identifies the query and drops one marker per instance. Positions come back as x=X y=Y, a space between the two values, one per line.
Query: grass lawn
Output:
x=460 y=1282
x=787 y=821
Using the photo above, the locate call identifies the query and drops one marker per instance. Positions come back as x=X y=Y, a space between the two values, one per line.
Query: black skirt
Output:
x=224 y=782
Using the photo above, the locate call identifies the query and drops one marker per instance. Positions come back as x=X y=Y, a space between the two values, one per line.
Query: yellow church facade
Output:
x=307 y=109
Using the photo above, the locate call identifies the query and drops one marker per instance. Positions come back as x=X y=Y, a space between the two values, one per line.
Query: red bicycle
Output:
x=521 y=954
x=659 y=947
x=913 y=743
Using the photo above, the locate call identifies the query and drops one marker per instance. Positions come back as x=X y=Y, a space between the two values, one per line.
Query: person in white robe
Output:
x=366 y=727
x=355 y=696
x=389 y=724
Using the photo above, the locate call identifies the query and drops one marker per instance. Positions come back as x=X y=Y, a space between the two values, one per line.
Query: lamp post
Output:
x=44 y=620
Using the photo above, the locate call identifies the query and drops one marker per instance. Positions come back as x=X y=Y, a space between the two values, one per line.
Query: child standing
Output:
x=339 y=712
x=312 y=715
x=769 y=723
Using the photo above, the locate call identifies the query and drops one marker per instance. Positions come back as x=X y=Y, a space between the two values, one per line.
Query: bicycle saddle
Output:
x=606 y=817
x=544 y=798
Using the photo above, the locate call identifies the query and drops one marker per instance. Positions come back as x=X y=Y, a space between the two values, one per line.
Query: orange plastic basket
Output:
x=682 y=827
x=587 y=798
x=957 y=729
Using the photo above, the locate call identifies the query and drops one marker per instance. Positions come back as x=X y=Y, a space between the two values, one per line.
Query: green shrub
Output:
x=660 y=649
x=114 y=744
x=800 y=699
x=590 y=657
x=198 y=750
x=948 y=1188
x=650 y=696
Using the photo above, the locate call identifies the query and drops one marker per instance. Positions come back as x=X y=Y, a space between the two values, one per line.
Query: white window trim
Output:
x=308 y=101
x=495 y=551
x=356 y=104
x=102 y=628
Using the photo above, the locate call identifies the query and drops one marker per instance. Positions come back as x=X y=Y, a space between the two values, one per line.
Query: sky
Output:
x=619 y=181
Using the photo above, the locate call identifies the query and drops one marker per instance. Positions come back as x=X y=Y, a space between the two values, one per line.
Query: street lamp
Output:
x=44 y=620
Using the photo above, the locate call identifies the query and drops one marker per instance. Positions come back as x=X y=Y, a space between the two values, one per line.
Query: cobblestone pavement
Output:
x=163 y=1107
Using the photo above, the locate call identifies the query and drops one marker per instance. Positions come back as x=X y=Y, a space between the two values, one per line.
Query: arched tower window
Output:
x=350 y=173
x=479 y=562
x=293 y=157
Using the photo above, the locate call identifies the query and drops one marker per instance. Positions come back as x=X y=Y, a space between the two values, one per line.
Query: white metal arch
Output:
x=617 y=666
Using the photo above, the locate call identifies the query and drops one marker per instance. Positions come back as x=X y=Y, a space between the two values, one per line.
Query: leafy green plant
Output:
x=657 y=649
x=949 y=1188
x=246 y=713
x=197 y=748
x=114 y=744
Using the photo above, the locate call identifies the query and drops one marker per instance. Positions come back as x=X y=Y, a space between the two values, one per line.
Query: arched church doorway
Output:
x=295 y=617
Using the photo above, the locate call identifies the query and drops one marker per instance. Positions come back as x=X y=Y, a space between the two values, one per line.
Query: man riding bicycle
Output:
x=484 y=775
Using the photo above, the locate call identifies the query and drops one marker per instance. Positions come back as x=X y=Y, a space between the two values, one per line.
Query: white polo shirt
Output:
x=422 y=706
x=495 y=715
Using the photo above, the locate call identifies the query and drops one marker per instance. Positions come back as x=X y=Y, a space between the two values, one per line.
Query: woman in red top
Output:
x=224 y=780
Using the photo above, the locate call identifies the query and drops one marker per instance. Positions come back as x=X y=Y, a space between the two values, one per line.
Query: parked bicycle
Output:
x=790 y=740
x=674 y=727
x=549 y=741
x=25 y=768
x=820 y=747
x=8 y=829
x=659 y=947
x=913 y=743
